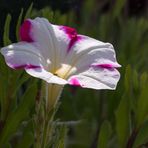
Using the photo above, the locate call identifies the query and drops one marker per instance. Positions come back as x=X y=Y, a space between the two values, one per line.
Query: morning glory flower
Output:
x=59 y=55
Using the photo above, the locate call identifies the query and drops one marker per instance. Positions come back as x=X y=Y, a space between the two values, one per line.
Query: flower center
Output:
x=64 y=71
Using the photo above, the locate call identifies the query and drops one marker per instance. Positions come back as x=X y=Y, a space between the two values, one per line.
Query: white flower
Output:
x=57 y=54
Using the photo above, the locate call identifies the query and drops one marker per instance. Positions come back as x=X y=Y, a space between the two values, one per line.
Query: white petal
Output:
x=23 y=55
x=56 y=42
x=62 y=45
x=89 y=51
x=46 y=76
x=50 y=40
x=96 y=78
x=42 y=33
x=27 y=56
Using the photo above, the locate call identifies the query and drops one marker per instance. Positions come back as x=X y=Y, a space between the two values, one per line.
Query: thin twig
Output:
x=132 y=138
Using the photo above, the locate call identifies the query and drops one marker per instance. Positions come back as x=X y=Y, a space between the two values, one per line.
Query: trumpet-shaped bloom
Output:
x=57 y=54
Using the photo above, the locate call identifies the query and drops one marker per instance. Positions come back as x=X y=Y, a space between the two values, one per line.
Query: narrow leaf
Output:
x=142 y=136
x=122 y=121
x=60 y=143
x=28 y=13
x=18 y=24
x=15 y=118
x=104 y=135
x=118 y=7
x=142 y=103
x=6 y=39
x=26 y=141
x=127 y=81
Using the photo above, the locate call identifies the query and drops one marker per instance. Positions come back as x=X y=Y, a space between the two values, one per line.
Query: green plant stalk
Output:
x=46 y=133
x=44 y=127
x=37 y=142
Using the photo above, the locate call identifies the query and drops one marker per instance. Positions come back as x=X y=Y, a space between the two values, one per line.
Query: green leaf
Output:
x=28 y=138
x=15 y=118
x=118 y=7
x=127 y=81
x=60 y=142
x=47 y=13
x=18 y=24
x=122 y=121
x=26 y=141
x=135 y=80
x=8 y=145
x=104 y=26
x=6 y=39
x=143 y=80
x=19 y=81
x=28 y=13
x=105 y=133
x=63 y=19
x=142 y=136
x=142 y=103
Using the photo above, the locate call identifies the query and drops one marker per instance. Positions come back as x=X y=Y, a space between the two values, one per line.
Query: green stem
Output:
x=45 y=133
x=37 y=140
x=44 y=126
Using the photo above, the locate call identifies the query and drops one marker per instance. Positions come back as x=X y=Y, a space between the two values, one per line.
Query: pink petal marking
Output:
x=75 y=82
x=24 y=31
x=72 y=34
x=107 y=66
x=25 y=66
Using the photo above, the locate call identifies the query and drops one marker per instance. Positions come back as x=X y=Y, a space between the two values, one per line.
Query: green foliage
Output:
x=18 y=24
x=60 y=137
x=122 y=121
x=104 y=119
x=6 y=39
x=28 y=13
x=118 y=7
x=104 y=135
x=142 y=103
x=142 y=136
x=27 y=137
x=18 y=115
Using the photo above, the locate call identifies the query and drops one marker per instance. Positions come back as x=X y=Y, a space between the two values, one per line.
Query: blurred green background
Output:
x=94 y=119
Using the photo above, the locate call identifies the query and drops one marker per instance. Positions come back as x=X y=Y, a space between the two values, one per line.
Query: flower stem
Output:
x=45 y=133
x=52 y=92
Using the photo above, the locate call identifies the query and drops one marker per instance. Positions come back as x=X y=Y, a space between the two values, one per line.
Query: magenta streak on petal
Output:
x=73 y=41
x=107 y=66
x=75 y=82
x=26 y=66
x=72 y=34
x=24 y=31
